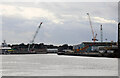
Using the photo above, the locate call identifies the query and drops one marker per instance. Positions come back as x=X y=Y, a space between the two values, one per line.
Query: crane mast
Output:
x=36 y=33
x=32 y=41
x=94 y=35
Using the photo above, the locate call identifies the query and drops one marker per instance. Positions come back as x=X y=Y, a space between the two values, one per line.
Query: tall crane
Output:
x=32 y=41
x=94 y=35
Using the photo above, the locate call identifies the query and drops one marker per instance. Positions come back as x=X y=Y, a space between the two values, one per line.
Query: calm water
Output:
x=58 y=65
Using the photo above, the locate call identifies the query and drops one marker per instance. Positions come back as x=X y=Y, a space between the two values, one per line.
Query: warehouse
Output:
x=91 y=46
x=52 y=50
x=118 y=51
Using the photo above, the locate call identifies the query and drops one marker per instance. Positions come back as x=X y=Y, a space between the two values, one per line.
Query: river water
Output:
x=58 y=65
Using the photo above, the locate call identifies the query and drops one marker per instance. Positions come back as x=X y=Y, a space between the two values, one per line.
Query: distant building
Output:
x=52 y=50
x=119 y=35
x=118 y=51
x=5 y=49
x=91 y=46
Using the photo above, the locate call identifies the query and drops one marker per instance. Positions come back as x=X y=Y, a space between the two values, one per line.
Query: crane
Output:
x=94 y=35
x=32 y=41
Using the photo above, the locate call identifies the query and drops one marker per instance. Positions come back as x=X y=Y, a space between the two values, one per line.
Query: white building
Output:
x=52 y=50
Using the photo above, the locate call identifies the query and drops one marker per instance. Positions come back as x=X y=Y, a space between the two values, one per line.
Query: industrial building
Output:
x=54 y=50
x=118 y=51
x=119 y=36
x=92 y=46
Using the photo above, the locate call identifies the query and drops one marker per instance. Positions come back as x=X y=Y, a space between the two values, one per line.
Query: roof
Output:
x=5 y=47
x=52 y=49
x=98 y=43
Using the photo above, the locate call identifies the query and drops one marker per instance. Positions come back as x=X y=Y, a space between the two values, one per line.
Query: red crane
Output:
x=94 y=35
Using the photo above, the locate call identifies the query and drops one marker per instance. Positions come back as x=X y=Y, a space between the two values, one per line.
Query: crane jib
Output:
x=34 y=36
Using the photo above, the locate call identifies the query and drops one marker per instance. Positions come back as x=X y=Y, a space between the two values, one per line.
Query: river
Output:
x=58 y=65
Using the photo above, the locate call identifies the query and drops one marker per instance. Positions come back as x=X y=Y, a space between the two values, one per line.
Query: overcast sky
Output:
x=63 y=22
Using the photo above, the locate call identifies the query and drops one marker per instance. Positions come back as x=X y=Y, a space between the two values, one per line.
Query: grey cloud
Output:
x=72 y=31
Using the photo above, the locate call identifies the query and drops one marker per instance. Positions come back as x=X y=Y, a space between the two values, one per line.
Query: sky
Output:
x=63 y=22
